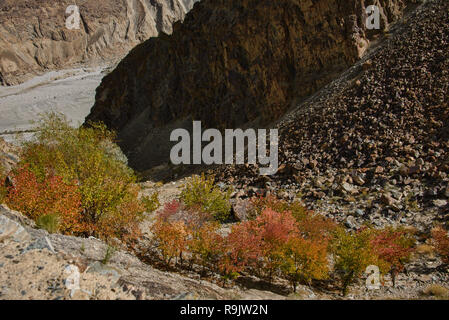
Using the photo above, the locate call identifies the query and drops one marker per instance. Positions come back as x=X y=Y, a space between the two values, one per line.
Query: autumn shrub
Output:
x=88 y=158
x=200 y=192
x=3 y=189
x=393 y=247
x=244 y=246
x=227 y=270
x=290 y=245
x=49 y=222
x=389 y=249
x=256 y=245
x=171 y=237
x=440 y=239
x=304 y=260
x=123 y=223
x=273 y=244
x=40 y=199
x=151 y=203
x=276 y=229
x=206 y=246
x=353 y=254
x=170 y=209
x=171 y=231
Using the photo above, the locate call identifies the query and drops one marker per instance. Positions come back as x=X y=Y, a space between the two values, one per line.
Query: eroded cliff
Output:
x=229 y=64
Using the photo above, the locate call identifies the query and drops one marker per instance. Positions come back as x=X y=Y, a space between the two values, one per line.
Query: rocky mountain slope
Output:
x=232 y=63
x=35 y=265
x=35 y=38
x=373 y=145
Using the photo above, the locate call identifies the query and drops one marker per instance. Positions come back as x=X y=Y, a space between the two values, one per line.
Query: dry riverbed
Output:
x=70 y=92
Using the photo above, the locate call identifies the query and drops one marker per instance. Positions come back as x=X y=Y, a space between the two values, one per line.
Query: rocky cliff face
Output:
x=35 y=38
x=231 y=63
x=374 y=144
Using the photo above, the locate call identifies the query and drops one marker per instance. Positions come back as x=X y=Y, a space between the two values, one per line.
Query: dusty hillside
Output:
x=35 y=265
x=375 y=142
x=34 y=37
x=230 y=63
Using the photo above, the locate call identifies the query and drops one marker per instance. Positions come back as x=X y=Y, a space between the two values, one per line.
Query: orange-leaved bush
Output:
x=50 y=196
x=170 y=232
x=440 y=239
x=243 y=246
x=275 y=229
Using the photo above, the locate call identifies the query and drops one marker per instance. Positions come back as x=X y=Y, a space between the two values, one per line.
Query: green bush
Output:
x=151 y=203
x=88 y=158
x=201 y=192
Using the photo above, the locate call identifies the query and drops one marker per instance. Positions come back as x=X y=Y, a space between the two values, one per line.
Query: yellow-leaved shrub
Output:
x=88 y=158
x=201 y=192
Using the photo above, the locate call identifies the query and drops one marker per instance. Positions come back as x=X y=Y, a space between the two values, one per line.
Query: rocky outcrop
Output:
x=35 y=38
x=374 y=143
x=231 y=63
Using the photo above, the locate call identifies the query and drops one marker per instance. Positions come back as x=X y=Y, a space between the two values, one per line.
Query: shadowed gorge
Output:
x=231 y=63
